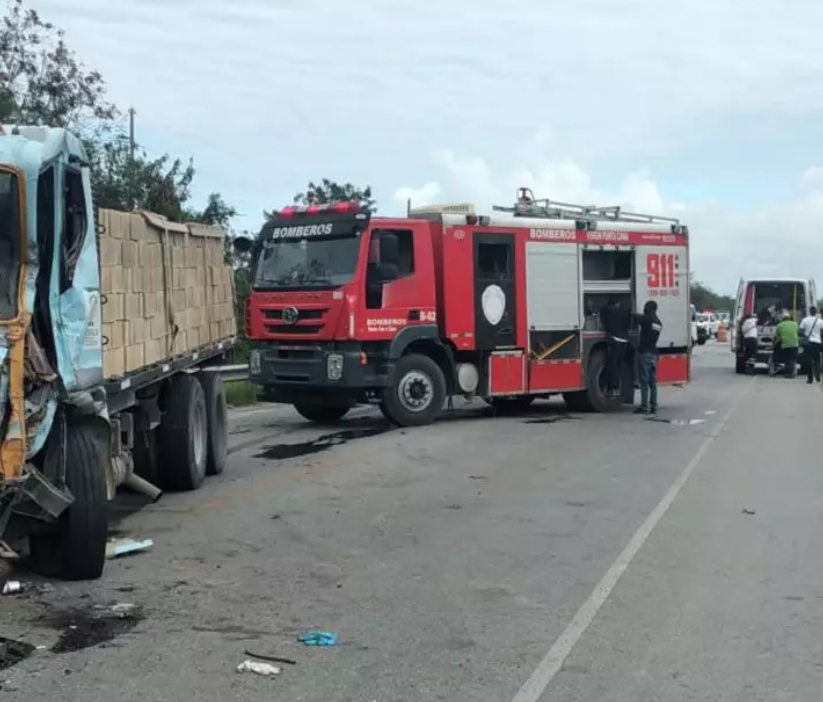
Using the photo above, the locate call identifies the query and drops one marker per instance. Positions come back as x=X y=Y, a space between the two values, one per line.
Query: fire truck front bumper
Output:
x=288 y=370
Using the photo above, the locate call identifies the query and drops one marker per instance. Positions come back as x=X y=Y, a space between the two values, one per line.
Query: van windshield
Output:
x=10 y=240
x=771 y=299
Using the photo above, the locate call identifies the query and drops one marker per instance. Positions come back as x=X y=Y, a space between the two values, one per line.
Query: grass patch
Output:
x=240 y=393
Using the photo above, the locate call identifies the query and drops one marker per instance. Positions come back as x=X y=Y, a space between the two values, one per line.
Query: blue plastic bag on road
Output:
x=318 y=638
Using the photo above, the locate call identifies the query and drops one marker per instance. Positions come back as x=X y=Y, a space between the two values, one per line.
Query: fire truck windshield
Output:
x=307 y=263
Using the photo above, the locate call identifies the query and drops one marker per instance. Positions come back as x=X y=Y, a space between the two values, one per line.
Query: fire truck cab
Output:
x=346 y=308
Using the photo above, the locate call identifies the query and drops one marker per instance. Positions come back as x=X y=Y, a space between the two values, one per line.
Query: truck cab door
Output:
x=495 y=304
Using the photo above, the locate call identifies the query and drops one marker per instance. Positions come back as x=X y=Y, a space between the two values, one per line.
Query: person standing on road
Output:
x=811 y=328
x=650 y=328
x=788 y=334
x=616 y=322
x=748 y=331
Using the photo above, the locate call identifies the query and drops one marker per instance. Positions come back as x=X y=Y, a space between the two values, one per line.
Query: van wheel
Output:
x=577 y=401
x=416 y=393
x=322 y=413
x=217 y=419
x=596 y=385
x=75 y=549
x=183 y=435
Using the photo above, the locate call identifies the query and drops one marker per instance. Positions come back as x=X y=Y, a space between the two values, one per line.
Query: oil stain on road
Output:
x=280 y=452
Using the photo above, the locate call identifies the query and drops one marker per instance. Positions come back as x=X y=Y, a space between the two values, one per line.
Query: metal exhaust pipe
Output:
x=143 y=487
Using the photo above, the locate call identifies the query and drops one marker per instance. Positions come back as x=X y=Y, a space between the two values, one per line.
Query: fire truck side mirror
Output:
x=242 y=244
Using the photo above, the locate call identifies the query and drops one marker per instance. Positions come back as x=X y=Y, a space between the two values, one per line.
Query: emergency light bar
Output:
x=329 y=207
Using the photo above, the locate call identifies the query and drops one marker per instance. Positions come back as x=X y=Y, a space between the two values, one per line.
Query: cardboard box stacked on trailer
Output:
x=167 y=289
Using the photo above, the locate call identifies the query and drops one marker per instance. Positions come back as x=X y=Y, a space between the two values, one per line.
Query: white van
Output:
x=768 y=298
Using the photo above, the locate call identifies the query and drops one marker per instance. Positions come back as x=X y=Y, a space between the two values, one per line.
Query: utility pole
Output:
x=131 y=159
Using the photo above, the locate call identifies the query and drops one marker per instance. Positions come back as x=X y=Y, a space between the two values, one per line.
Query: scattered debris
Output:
x=12 y=652
x=273 y=659
x=124 y=547
x=748 y=512
x=318 y=638
x=266 y=669
x=126 y=610
x=551 y=420
x=12 y=587
x=478 y=477
x=676 y=422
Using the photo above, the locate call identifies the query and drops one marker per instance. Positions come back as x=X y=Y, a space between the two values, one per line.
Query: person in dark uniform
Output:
x=650 y=328
x=615 y=321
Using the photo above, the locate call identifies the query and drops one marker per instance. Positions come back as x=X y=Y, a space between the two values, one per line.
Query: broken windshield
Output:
x=10 y=240
x=310 y=263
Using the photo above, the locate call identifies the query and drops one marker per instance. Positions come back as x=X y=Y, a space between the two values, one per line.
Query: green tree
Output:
x=704 y=298
x=41 y=79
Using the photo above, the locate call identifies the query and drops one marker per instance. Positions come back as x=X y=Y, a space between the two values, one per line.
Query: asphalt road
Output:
x=504 y=559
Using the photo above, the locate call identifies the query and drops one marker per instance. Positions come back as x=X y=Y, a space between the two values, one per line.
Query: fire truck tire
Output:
x=76 y=548
x=322 y=413
x=577 y=401
x=594 y=385
x=183 y=436
x=417 y=392
x=217 y=417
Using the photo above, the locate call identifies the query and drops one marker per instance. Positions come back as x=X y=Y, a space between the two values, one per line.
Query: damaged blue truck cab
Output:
x=69 y=433
x=51 y=353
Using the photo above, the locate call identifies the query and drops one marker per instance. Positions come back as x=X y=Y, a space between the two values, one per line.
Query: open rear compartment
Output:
x=606 y=275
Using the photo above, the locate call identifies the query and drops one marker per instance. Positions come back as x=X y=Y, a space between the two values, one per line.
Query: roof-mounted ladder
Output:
x=528 y=206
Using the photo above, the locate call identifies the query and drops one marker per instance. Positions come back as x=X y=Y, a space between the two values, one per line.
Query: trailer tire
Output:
x=577 y=401
x=76 y=548
x=183 y=436
x=414 y=374
x=217 y=418
x=322 y=413
x=594 y=387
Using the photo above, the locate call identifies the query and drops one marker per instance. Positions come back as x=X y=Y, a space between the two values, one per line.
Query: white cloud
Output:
x=268 y=96
x=779 y=238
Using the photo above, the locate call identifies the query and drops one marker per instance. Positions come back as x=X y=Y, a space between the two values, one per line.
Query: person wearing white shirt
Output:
x=811 y=329
x=748 y=330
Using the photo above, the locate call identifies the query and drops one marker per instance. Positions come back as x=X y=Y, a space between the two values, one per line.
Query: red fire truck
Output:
x=347 y=308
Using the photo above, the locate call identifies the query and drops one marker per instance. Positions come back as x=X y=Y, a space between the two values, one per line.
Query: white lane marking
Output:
x=546 y=670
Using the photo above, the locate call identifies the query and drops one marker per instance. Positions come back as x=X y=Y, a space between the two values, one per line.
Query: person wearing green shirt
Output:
x=788 y=336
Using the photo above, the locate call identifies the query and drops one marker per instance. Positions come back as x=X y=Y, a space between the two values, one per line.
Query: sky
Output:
x=710 y=112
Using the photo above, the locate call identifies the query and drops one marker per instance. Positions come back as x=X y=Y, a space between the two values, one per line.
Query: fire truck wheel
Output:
x=577 y=401
x=417 y=392
x=217 y=418
x=183 y=436
x=330 y=413
x=76 y=548
x=595 y=385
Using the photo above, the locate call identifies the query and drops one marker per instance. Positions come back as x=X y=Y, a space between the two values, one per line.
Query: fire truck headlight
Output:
x=334 y=366
x=254 y=363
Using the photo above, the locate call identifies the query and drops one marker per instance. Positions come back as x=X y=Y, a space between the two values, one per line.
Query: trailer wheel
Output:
x=577 y=401
x=217 y=418
x=320 y=413
x=595 y=385
x=183 y=436
x=416 y=393
x=76 y=548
